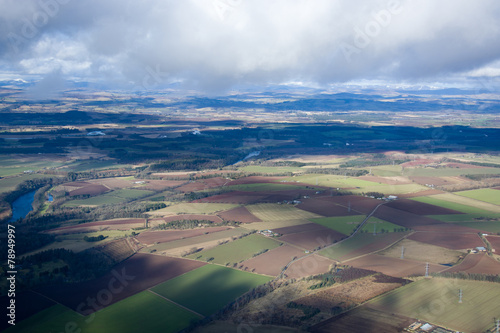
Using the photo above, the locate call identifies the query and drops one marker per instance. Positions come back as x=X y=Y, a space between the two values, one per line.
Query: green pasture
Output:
x=484 y=194
x=143 y=312
x=238 y=250
x=210 y=287
x=451 y=205
x=266 y=187
x=277 y=212
x=194 y=208
x=113 y=197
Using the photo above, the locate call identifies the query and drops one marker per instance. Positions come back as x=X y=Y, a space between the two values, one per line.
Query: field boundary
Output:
x=177 y=304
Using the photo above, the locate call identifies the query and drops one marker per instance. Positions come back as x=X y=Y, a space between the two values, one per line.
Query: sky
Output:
x=215 y=45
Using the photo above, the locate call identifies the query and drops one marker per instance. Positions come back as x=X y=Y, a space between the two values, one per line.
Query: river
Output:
x=22 y=206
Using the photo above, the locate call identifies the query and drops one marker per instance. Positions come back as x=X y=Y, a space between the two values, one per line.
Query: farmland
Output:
x=237 y=251
x=207 y=289
x=114 y=197
x=194 y=208
x=143 y=311
x=485 y=194
x=275 y=212
x=436 y=300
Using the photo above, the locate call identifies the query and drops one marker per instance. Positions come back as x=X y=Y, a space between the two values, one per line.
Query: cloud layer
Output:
x=215 y=44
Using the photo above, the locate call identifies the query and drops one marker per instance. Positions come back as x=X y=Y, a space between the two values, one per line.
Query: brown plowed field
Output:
x=236 y=197
x=203 y=184
x=310 y=265
x=120 y=224
x=310 y=240
x=436 y=181
x=386 y=180
x=324 y=207
x=158 y=185
x=273 y=261
x=138 y=273
x=240 y=214
x=89 y=190
x=420 y=208
x=403 y=218
x=479 y=263
x=393 y=266
x=453 y=241
x=361 y=204
x=495 y=243
x=299 y=228
x=162 y=236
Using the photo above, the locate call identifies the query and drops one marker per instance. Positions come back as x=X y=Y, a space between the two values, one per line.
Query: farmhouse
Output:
x=480 y=249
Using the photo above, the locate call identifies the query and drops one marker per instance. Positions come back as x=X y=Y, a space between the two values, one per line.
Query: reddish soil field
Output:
x=479 y=263
x=158 y=185
x=300 y=228
x=418 y=162
x=402 y=218
x=386 y=180
x=453 y=241
x=138 y=273
x=236 y=197
x=393 y=266
x=254 y=180
x=240 y=214
x=358 y=203
x=273 y=261
x=121 y=224
x=28 y=303
x=420 y=194
x=420 y=208
x=90 y=190
x=310 y=240
x=203 y=184
x=310 y=265
x=495 y=243
x=162 y=236
x=324 y=207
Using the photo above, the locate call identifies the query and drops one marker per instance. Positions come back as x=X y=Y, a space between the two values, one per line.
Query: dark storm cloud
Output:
x=213 y=44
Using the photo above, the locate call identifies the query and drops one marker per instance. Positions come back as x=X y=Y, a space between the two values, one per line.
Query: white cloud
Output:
x=214 y=44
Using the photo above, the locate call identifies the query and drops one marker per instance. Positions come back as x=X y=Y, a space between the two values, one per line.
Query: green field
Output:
x=385 y=170
x=143 y=312
x=113 y=197
x=96 y=165
x=449 y=172
x=436 y=300
x=209 y=288
x=264 y=169
x=9 y=167
x=344 y=248
x=194 y=208
x=238 y=250
x=273 y=224
x=450 y=205
x=9 y=184
x=484 y=194
x=347 y=224
x=493 y=227
x=343 y=224
x=332 y=181
x=276 y=212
